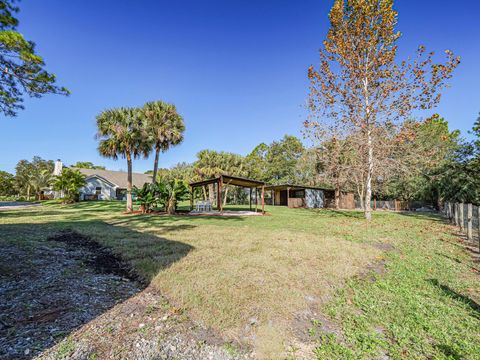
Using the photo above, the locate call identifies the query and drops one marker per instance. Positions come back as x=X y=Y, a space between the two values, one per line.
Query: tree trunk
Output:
x=171 y=205
x=225 y=196
x=361 y=196
x=129 y=183
x=211 y=193
x=28 y=192
x=204 y=193
x=368 y=192
x=337 y=196
x=155 y=165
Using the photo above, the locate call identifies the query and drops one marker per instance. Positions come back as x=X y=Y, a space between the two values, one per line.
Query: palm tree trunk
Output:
x=129 y=183
x=225 y=196
x=155 y=165
x=211 y=193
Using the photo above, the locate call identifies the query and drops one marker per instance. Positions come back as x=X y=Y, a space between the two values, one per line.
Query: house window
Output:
x=98 y=190
x=297 y=194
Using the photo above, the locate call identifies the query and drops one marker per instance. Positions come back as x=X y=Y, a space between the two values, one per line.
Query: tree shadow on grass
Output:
x=342 y=213
x=70 y=273
x=433 y=216
x=449 y=352
x=456 y=296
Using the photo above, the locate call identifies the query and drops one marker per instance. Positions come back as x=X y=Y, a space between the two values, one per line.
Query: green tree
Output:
x=282 y=157
x=32 y=176
x=41 y=180
x=23 y=71
x=165 y=126
x=7 y=183
x=87 y=165
x=425 y=148
x=360 y=86
x=146 y=196
x=212 y=163
x=256 y=162
x=69 y=182
x=170 y=193
x=459 y=178
x=275 y=163
x=182 y=171
x=123 y=132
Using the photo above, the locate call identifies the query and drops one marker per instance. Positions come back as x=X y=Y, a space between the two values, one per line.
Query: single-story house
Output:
x=105 y=184
x=300 y=196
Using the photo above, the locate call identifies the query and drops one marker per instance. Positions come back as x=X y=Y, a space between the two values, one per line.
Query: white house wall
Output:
x=314 y=198
x=108 y=191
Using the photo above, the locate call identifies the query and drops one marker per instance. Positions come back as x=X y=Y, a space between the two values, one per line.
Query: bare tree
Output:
x=360 y=85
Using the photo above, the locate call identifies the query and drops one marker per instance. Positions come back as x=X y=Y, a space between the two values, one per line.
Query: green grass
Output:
x=226 y=271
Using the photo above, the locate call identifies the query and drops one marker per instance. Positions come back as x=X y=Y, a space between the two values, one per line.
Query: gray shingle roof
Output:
x=118 y=178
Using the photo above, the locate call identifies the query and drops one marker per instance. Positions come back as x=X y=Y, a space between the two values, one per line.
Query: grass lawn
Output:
x=299 y=282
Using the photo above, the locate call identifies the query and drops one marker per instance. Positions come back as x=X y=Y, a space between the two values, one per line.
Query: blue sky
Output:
x=235 y=69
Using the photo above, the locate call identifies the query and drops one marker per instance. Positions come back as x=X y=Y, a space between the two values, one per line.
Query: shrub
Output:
x=69 y=182
x=146 y=196
x=170 y=193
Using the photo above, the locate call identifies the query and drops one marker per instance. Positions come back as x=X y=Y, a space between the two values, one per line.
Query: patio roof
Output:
x=224 y=180
x=230 y=180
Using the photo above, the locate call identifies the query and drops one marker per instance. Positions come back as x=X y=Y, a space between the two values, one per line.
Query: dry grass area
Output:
x=240 y=276
x=262 y=282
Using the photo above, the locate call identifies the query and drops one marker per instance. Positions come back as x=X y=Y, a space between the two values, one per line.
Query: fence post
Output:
x=455 y=218
x=462 y=219
x=478 y=212
x=469 y=221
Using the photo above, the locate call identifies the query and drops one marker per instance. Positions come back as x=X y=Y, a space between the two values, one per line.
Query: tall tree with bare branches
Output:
x=359 y=85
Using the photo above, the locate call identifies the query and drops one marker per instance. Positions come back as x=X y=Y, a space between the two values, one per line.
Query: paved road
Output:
x=9 y=205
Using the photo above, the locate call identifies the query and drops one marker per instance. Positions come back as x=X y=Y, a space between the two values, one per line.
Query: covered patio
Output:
x=219 y=183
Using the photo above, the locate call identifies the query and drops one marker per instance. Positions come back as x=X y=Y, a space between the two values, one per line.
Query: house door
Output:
x=283 y=198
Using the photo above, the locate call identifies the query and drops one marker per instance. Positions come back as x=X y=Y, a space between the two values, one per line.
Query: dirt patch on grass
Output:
x=100 y=259
x=70 y=297
x=145 y=326
x=47 y=290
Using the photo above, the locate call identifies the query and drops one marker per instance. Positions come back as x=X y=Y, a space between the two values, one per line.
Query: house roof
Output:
x=293 y=187
x=117 y=178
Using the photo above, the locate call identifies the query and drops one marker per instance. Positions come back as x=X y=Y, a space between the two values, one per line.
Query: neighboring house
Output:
x=105 y=184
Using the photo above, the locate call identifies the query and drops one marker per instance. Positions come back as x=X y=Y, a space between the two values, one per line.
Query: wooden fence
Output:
x=466 y=217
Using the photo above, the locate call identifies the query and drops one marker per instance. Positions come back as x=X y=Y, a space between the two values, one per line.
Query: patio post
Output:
x=256 y=199
x=263 y=199
x=250 y=199
x=219 y=194
x=191 y=198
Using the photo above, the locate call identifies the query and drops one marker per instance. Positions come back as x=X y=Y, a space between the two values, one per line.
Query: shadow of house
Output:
x=57 y=276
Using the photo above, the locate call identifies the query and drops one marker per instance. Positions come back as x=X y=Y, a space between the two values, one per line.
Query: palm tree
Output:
x=207 y=166
x=40 y=180
x=69 y=182
x=165 y=126
x=123 y=132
